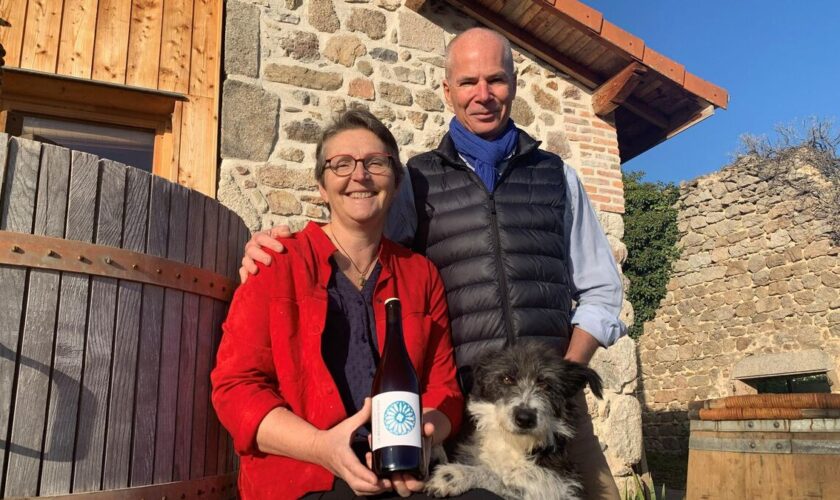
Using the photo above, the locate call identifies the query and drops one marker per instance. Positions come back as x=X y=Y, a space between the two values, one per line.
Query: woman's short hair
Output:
x=355 y=119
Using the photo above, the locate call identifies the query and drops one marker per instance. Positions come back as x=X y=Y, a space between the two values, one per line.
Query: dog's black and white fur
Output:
x=521 y=406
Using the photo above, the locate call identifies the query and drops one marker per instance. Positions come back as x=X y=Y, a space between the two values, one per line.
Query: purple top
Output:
x=348 y=345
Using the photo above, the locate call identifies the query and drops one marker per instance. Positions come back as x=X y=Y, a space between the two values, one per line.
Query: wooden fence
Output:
x=104 y=374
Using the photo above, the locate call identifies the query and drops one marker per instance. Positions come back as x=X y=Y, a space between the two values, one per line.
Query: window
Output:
x=129 y=145
x=126 y=124
x=811 y=370
x=793 y=384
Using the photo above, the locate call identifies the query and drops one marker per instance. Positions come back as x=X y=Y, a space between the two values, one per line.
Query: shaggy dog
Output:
x=522 y=409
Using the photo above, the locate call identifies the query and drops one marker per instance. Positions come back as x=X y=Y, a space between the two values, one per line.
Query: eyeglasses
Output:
x=374 y=164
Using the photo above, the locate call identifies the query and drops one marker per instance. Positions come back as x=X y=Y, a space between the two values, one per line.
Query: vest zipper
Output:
x=506 y=308
x=507 y=311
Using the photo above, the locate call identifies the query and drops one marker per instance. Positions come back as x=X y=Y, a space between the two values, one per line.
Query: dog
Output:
x=521 y=415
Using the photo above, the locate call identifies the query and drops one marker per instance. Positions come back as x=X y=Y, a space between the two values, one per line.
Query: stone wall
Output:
x=758 y=276
x=618 y=416
x=291 y=65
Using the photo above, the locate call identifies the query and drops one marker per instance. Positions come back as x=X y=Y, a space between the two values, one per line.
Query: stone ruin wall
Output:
x=292 y=65
x=758 y=275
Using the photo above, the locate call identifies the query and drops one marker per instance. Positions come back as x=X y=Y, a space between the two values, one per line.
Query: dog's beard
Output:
x=496 y=425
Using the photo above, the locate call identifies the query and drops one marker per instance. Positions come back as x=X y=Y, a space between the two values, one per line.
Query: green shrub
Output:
x=650 y=234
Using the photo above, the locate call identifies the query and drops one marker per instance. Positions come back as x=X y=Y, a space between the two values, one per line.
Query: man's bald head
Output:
x=480 y=36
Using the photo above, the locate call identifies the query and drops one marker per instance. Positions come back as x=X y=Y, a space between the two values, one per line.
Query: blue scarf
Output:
x=483 y=155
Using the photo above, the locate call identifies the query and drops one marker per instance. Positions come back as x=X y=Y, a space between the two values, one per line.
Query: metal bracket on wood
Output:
x=43 y=252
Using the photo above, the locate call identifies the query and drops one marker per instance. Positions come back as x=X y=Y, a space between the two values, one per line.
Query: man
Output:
x=511 y=230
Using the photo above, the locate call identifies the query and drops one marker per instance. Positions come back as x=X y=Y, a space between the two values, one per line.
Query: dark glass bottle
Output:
x=397 y=424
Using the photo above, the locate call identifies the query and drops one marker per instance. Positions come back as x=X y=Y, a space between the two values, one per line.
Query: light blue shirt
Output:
x=594 y=279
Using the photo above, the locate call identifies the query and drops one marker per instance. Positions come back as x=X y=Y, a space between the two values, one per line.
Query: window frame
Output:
x=15 y=121
x=45 y=94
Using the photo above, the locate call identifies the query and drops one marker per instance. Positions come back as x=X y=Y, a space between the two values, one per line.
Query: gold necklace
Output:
x=362 y=275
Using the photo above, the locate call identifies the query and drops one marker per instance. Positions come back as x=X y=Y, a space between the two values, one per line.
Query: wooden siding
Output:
x=171 y=46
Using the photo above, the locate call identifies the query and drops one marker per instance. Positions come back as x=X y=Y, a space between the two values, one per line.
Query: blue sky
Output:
x=779 y=60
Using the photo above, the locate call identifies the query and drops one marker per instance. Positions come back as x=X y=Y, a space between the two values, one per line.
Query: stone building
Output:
x=144 y=82
x=593 y=93
x=754 y=298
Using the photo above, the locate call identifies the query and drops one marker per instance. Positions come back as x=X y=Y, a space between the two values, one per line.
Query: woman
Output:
x=301 y=340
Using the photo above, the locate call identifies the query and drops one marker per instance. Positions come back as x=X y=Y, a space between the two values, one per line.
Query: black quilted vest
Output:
x=501 y=255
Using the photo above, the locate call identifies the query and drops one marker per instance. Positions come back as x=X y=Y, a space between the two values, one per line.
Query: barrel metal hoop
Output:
x=815 y=425
x=221 y=487
x=814 y=446
x=767 y=446
x=740 y=445
x=44 y=252
x=777 y=425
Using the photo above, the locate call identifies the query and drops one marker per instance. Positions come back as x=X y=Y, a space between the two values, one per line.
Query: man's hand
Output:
x=335 y=455
x=254 y=249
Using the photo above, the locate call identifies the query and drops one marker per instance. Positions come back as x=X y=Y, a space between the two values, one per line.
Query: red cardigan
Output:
x=270 y=353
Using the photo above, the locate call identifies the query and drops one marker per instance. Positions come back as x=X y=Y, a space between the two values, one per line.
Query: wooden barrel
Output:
x=113 y=287
x=765 y=446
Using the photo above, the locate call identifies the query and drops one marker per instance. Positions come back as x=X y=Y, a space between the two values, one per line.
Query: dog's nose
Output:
x=525 y=418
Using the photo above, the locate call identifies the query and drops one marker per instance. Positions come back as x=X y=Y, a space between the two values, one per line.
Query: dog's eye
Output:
x=542 y=383
x=507 y=380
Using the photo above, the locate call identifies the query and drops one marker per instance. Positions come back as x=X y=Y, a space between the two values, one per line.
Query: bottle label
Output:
x=397 y=420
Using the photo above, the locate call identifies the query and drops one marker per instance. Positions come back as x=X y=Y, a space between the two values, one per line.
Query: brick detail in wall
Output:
x=599 y=165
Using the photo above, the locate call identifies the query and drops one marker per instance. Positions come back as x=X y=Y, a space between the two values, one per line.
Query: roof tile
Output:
x=707 y=90
x=632 y=44
x=581 y=13
x=664 y=65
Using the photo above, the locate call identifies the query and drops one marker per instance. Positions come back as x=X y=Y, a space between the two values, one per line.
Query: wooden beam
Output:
x=647 y=112
x=87 y=93
x=529 y=42
x=684 y=122
x=617 y=89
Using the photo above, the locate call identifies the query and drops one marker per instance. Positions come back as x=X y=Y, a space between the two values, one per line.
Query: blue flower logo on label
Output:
x=400 y=418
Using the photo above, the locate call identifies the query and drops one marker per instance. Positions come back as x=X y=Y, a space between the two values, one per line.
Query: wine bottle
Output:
x=397 y=419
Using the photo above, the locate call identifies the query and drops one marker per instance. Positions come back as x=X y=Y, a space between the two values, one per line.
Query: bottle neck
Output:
x=394 y=341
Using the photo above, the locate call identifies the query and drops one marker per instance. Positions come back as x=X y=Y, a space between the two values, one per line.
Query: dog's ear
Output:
x=473 y=377
x=579 y=375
